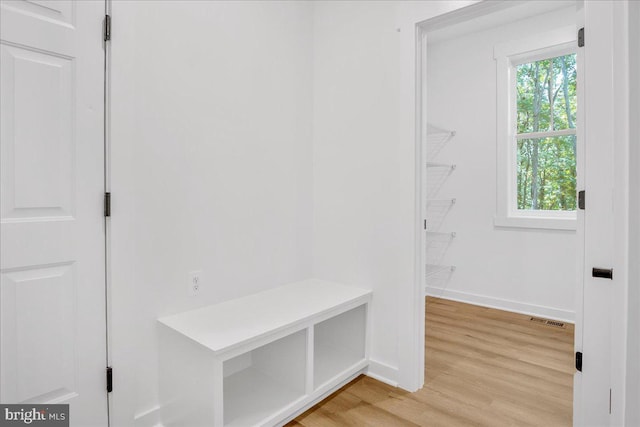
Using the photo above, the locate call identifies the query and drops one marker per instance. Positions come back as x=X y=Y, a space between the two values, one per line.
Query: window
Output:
x=536 y=133
x=546 y=134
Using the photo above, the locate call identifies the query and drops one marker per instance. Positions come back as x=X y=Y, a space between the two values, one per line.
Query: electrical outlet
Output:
x=194 y=283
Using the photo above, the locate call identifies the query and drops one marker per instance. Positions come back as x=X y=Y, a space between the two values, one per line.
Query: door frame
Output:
x=619 y=33
x=106 y=46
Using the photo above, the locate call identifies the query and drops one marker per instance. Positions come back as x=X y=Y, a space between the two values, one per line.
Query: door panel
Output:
x=52 y=270
x=32 y=295
x=37 y=159
x=598 y=215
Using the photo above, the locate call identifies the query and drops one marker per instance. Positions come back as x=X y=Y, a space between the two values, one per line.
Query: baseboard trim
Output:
x=382 y=372
x=148 y=418
x=503 y=304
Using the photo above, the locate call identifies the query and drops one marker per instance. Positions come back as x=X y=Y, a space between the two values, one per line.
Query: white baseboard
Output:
x=148 y=418
x=382 y=372
x=503 y=304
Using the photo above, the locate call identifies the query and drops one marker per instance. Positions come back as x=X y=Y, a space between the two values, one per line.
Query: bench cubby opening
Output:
x=339 y=344
x=265 y=380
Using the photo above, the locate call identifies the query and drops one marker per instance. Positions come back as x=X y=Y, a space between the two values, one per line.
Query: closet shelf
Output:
x=436 y=139
x=437 y=132
x=437 y=245
x=437 y=210
x=437 y=174
x=441 y=234
x=433 y=269
x=433 y=165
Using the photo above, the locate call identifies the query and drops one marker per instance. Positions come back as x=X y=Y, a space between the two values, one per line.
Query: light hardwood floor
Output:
x=484 y=367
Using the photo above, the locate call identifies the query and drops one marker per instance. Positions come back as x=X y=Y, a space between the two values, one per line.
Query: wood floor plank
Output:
x=484 y=367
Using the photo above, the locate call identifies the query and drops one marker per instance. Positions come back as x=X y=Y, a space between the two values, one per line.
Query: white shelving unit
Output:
x=437 y=245
x=437 y=174
x=262 y=359
x=437 y=138
x=433 y=269
x=437 y=242
x=437 y=210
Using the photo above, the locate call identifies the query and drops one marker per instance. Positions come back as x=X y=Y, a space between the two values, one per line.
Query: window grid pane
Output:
x=546 y=94
x=546 y=173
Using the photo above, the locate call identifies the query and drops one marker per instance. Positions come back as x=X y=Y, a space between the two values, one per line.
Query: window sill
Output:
x=535 y=223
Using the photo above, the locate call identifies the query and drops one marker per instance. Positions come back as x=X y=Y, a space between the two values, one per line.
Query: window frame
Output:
x=508 y=56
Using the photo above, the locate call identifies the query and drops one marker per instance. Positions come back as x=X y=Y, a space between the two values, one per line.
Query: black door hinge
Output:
x=107 y=204
x=106 y=28
x=579 y=361
x=425 y=224
x=581 y=37
x=109 y=379
x=581 y=197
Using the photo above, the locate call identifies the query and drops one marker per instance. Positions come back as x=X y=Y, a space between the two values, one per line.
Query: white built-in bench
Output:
x=262 y=359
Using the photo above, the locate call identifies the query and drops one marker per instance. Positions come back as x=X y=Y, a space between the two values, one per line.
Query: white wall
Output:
x=528 y=270
x=364 y=163
x=212 y=168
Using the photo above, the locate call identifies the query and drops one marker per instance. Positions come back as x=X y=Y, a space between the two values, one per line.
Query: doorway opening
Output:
x=502 y=238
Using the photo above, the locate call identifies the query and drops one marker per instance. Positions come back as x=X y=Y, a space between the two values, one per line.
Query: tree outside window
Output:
x=546 y=134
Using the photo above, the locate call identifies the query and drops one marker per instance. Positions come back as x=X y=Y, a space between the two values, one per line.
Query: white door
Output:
x=52 y=263
x=593 y=334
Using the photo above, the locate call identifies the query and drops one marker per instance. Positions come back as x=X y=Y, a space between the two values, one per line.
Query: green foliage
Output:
x=546 y=101
x=556 y=173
